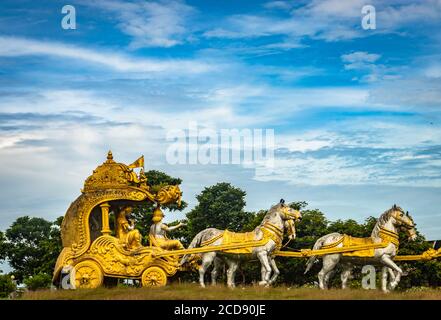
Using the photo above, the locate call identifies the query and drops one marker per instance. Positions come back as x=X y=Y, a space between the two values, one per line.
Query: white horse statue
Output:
x=270 y=233
x=385 y=231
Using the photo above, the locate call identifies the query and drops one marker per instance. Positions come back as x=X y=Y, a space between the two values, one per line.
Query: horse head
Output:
x=288 y=213
x=289 y=216
x=404 y=221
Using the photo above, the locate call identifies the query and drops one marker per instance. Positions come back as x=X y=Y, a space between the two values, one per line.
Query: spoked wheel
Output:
x=87 y=275
x=154 y=277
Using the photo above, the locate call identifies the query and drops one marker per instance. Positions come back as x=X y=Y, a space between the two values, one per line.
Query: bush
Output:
x=6 y=285
x=39 y=281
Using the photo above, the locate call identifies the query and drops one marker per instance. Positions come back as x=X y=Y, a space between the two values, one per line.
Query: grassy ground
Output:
x=194 y=292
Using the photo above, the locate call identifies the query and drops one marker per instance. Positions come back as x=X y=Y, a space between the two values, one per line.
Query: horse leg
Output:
x=328 y=276
x=266 y=268
x=392 y=276
x=276 y=271
x=231 y=272
x=387 y=261
x=329 y=263
x=345 y=275
x=384 y=275
x=394 y=283
x=215 y=271
x=207 y=260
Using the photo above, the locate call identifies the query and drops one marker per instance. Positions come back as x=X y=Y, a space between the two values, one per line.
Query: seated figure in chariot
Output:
x=158 y=232
x=126 y=232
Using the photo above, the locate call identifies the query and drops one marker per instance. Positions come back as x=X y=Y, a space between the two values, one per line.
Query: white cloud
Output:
x=359 y=60
x=358 y=153
x=13 y=47
x=283 y=5
x=403 y=13
x=368 y=69
x=409 y=92
x=433 y=71
x=334 y=8
x=151 y=23
x=329 y=20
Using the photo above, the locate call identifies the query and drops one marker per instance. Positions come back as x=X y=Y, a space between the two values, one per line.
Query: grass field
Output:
x=194 y=292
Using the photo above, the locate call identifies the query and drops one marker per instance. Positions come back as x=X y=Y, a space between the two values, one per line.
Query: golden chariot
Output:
x=91 y=251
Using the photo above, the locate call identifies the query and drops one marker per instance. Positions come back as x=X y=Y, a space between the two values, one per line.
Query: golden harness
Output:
x=387 y=236
x=269 y=230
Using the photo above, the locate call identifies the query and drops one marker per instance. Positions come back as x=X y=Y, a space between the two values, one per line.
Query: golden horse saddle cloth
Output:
x=231 y=238
x=349 y=241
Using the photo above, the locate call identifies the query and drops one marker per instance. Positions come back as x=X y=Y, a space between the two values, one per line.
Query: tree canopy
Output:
x=33 y=246
x=219 y=206
x=3 y=247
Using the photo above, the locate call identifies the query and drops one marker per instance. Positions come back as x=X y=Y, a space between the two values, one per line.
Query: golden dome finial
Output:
x=109 y=155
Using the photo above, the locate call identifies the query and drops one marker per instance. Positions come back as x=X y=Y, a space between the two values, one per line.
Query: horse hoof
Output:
x=263 y=283
x=393 y=285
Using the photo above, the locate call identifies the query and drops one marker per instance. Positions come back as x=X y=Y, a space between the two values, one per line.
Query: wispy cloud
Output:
x=14 y=46
x=284 y=5
x=382 y=154
x=151 y=24
x=359 y=60
x=365 y=62
x=329 y=20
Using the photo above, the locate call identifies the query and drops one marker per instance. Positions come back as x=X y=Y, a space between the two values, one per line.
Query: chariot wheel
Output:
x=87 y=275
x=154 y=277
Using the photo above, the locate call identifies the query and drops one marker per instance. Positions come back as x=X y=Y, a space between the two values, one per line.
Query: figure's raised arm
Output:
x=167 y=228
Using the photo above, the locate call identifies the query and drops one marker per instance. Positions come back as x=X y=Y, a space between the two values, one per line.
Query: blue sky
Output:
x=356 y=112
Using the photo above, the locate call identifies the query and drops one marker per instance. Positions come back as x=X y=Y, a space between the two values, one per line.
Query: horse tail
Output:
x=317 y=245
x=196 y=242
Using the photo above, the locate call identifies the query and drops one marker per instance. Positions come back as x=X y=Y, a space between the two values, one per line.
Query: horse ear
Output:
x=282 y=201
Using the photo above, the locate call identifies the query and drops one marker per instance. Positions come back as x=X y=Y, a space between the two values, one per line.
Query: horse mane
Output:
x=382 y=220
x=268 y=214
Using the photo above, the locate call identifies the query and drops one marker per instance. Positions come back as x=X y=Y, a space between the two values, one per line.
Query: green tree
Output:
x=39 y=281
x=369 y=225
x=6 y=285
x=3 y=247
x=298 y=205
x=219 y=206
x=349 y=226
x=33 y=246
x=52 y=247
